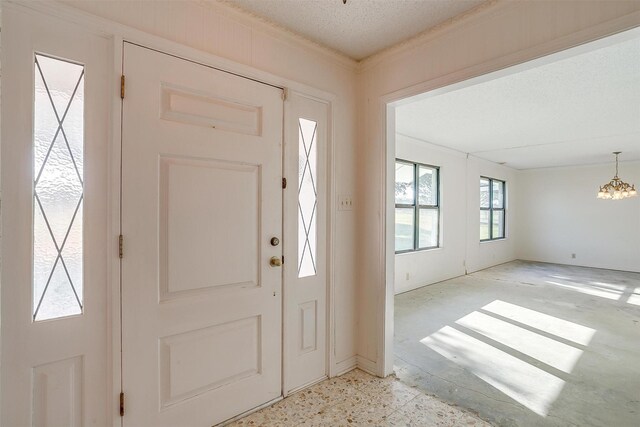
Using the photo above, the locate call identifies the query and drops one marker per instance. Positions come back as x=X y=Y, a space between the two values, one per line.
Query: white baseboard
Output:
x=367 y=365
x=345 y=366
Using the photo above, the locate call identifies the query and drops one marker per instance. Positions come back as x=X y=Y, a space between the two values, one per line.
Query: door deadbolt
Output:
x=275 y=261
x=275 y=241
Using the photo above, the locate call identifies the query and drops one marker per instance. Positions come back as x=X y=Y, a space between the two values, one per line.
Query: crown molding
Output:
x=267 y=26
x=489 y=7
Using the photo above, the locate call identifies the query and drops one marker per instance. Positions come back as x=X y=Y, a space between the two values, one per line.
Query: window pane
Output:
x=404 y=184
x=307 y=197
x=484 y=193
x=428 y=232
x=498 y=224
x=404 y=228
x=58 y=188
x=427 y=186
x=484 y=225
x=498 y=194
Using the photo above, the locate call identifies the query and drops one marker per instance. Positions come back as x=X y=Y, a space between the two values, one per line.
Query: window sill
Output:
x=502 y=239
x=417 y=251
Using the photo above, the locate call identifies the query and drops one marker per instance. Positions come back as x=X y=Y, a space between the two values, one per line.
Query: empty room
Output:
x=319 y=213
x=502 y=186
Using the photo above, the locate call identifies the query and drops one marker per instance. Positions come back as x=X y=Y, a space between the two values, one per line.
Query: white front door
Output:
x=55 y=125
x=201 y=201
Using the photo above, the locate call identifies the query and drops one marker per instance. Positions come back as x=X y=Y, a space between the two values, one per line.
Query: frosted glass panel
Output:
x=58 y=188
x=307 y=197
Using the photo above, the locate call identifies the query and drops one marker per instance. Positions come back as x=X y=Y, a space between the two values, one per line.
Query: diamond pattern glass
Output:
x=58 y=188
x=307 y=197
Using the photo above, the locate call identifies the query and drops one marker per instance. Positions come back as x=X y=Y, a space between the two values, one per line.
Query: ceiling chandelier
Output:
x=617 y=189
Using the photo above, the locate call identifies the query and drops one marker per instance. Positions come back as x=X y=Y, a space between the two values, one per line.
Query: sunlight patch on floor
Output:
x=554 y=353
x=529 y=385
x=588 y=290
x=634 y=298
x=610 y=291
x=562 y=328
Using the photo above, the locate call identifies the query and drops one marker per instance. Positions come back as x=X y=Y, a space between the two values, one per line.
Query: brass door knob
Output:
x=275 y=261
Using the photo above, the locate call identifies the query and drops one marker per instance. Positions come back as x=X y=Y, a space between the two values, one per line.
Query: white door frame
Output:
x=604 y=34
x=118 y=34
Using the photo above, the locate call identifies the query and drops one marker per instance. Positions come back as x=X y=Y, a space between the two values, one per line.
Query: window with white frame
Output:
x=492 y=209
x=417 y=199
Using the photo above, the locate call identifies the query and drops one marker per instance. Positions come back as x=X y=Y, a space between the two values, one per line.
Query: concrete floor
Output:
x=527 y=344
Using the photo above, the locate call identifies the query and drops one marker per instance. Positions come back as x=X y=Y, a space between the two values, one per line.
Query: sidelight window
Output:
x=307 y=196
x=58 y=188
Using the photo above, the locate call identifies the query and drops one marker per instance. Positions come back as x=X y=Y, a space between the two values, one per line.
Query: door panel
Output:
x=202 y=197
x=193 y=258
x=54 y=222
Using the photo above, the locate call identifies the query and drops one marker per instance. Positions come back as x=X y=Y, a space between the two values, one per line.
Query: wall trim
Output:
x=345 y=366
x=369 y=366
x=292 y=38
x=451 y=24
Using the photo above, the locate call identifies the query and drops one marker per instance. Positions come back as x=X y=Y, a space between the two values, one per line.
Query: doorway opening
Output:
x=463 y=165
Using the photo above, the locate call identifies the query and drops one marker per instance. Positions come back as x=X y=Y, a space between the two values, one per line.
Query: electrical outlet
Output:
x=573 y=256
x=345 y=203
x=407 y=277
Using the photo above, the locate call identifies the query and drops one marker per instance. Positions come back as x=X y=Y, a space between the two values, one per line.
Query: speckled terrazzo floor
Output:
x=359 y=399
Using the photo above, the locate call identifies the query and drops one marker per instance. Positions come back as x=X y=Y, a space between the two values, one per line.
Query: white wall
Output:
x=460 y=248
x=560 y=215
x=496 y=36
x=249 y=41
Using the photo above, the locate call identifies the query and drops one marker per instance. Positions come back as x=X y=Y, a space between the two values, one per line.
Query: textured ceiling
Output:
x=572 y=111
x=359 y=28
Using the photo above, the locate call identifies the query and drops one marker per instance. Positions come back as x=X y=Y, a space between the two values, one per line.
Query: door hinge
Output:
x=122 y=404
x=285 y=94
x=282 y=259
x=122 y=86
x=120 y=246
x=284 y=182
